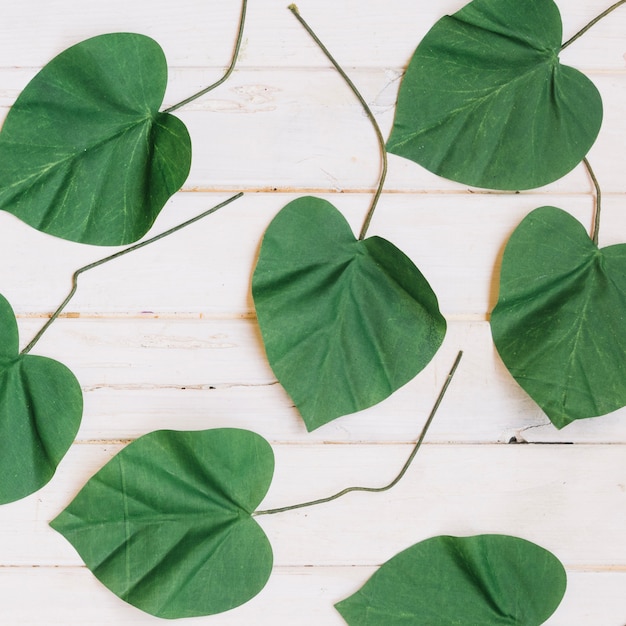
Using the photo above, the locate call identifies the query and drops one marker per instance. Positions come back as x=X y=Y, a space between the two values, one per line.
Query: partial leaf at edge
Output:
x=167 y=524
x=486 y=102
x=485 y=579
x=41 y=406
x=86 y=154
x=560 y=322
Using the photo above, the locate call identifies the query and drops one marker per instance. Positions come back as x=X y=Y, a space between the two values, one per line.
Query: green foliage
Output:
x=559 y=321
x=166 y=524
x=86 y=154
x=485 y=101
x=41 y=405
x=461 y=581
x=345 y=323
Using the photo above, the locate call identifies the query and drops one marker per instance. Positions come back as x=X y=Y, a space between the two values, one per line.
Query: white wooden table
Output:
x=167 y=337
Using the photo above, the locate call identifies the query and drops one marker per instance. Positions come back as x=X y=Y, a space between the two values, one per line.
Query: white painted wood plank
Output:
x=528 y=491
x=293 y=141
x=292 y=129
x=501 y=414
x=196 y=33
x=532 y=491
x=455 y=240
x=146 y=374
x=301 y=145
x=302 y=596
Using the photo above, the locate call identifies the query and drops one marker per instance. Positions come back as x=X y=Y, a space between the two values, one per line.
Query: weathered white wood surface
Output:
x=167 y=338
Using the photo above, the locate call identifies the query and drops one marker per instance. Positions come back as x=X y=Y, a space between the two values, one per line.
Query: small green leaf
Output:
x=41 y=405
x=486 y=102
x=559 y=324
x=86 y=154
x=345 y=323
x=167 y=524
x=461 y=581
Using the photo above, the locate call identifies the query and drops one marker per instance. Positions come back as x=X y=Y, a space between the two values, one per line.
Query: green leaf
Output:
x=486 y=102
x=461 y=581
x=41 y=405
x=86 y=154
x=167 y=524
x=559 y=321
x=345 y=323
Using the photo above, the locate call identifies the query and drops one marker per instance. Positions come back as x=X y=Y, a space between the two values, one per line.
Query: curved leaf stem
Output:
x=228 y=72
x=117 y=255
x=593 y=22
x=596 y=219
x=404 y=469
x=381 y=142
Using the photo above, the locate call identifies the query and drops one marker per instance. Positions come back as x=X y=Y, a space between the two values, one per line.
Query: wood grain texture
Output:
x=456 y=240
x=304 y=594
x=167 y=337
x=281 y=121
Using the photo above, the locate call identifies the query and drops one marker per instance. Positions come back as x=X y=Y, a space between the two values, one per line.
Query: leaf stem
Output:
x=404 y=469
x=117 y=255
x=294 y=9
x=228 y=72
x=593 y=22
x=596 y=220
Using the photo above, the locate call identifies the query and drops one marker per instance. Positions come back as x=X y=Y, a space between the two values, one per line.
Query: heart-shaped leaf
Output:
x=559 y=321
x=486 y=102
x=167 y=524
x=85 y=153
x=345 y=322
x=466 y=581
x=41 y=405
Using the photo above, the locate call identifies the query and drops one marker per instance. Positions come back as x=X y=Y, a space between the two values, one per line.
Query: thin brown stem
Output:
x=381 y=142
x=598 y=204
x=228 y=72
x=404 y=469
x=117 y=255
x=593 y=22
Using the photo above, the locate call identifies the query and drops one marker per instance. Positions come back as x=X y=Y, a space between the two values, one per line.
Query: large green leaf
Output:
x=345 y=323
x=486 y=102
x=41 y=405
x=559 y=324
x=462 y=581
x=167 y=524
x=85 y=153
